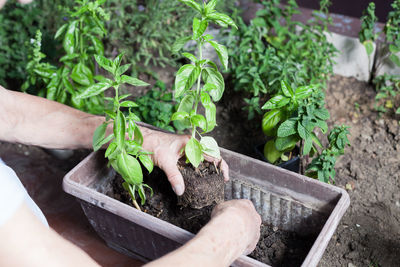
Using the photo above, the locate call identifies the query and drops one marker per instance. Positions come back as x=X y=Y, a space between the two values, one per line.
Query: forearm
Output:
x=32 y=120
x=217 y=244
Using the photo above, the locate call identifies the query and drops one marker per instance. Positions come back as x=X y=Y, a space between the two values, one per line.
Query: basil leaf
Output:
x=193 y=152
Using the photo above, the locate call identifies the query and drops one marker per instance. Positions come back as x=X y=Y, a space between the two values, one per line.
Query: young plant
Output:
x=294 y=114
x=81 y=38
x=367 y=35
x=124 y=149
x=205 y=70
x=323 y=166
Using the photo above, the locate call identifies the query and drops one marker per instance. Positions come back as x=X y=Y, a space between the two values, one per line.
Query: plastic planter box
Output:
x=284 y=199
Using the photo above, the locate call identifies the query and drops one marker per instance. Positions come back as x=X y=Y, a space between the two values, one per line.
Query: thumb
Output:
x=174 y=177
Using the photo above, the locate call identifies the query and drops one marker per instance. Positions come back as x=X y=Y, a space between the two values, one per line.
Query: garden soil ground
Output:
x=369 y=233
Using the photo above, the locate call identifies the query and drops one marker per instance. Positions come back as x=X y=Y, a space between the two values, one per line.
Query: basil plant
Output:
x=124 y=149
x=201 y=82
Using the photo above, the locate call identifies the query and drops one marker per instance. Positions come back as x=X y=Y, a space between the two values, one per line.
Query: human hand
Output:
x=167 y=149
x=243 y=222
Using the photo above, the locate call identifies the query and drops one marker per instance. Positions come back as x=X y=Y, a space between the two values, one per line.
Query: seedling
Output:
x=124 y=149
x=199 y=70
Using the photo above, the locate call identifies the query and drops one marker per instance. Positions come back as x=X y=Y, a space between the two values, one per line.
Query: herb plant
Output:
x=81 y=37
x=124 y=149
x=387 y=86
x=323 y=166
x=192 y=74
x=275 y=48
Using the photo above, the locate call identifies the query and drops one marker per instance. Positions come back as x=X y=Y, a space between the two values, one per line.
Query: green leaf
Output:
x=222 y=53
x=129 y=104
x=60 y=31
x=111 y=149
x=147 y=162
x=186 y=104
x=210 y=112
x=185 y=78
x=286 y=89
x=199 y=121
x=119 y=129
x=138 y=137
x=105 y=63
x=213 y=76
x=322 y=114
x=99 y=135
x=221 y=19
x=82 y=74
x=270 y=120
x=69 y=38
x=270 y=152
x=177 y=46
x=208 y=87
x=303 y=92
x=190 y=56
x=398 y=111
x=395 y=59
x=307 y=145
x=133 y=81
x=304 y=134
x=287 y=128
x=122 y=69
x=129 y=168
x=142 y=195
x=192 y=4
x=210 y=147
x=210 y=6
x=199 y=27
x=179 y=115
x=276 y=102
x=93 y=90
x=369 y=47
x=193 y=152
x=98 y=45
x=394 y=49
x=286 y=143
x=316 y=140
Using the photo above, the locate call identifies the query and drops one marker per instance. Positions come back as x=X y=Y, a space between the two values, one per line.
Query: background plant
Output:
x=274 y=47
x=124 y=150
x=191 y=74
x=146 y=30
x=18 y=24
x=386 y=85
x=323 y=165
x=81 y=38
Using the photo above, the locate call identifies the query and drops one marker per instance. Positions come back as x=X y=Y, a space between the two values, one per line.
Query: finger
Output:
x=174 y=176
x=225 y=170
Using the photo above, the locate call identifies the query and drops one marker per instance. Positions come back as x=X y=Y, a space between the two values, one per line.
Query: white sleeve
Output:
x=11 y=194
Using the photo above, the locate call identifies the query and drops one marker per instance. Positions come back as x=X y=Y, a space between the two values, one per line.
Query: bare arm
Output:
x=25 y=241
x=233 y=230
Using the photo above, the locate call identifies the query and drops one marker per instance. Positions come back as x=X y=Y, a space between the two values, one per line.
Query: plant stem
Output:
x=136 y=204
x=197 y=98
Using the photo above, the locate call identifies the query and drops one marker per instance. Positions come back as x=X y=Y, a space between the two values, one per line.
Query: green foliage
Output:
x=387 y=86
x=18 y=24
x=145 y=31
x=294 y=115
x=388 y=90
x=81 y=40
x=276 y=48
x=124 y=151
x=156 y=107
x=367 y=33
x=323 y=166
x=199 y=70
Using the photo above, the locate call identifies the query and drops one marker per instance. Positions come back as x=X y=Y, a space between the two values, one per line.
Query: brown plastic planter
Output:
x=284 y=199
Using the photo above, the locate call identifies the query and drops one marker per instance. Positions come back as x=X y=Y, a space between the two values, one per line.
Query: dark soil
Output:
x=275 y=247
x=204 y=185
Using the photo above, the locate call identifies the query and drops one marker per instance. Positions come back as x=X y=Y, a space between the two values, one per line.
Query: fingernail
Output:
x=178 y=189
